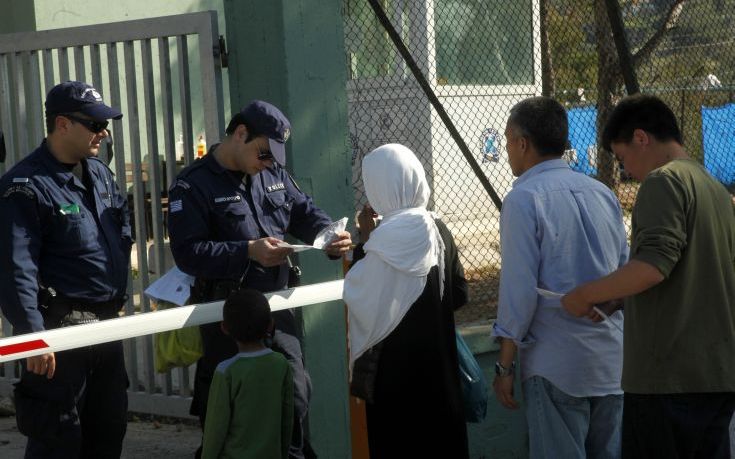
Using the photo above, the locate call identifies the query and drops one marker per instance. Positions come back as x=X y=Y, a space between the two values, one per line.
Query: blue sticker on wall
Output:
x=490 y=145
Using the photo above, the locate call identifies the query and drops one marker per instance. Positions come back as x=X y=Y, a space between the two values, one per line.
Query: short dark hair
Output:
x=51 y=122
x=237 y=120
x=640 y=111
x=543 y=121
x=247 y=315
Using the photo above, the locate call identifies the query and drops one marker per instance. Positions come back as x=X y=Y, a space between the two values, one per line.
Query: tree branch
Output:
x=672 y=17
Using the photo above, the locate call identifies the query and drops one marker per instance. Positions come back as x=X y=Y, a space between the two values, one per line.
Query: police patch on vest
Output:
x=276 y=187
x=235 y=198
x=175 y=206
x=20 y=189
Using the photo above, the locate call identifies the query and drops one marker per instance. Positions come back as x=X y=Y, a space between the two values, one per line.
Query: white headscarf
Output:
x=380 y=288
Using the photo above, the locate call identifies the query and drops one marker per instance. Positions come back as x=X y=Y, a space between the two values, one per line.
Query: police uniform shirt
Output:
x=50 y=233
x=214 y=213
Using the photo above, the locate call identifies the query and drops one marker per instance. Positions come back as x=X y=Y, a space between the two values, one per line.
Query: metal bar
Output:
x=96 y=64
x=169 y=154
x=179 y=24
x=113 y=71
x=63 y=55
x=96 y=67
x=154 y=181
x=17 y=95
x=169 y=148
x=34 y=98
x=621 y=45
x=49 y=81
x=138 y=189
x=426 y=87
x=185 y=98
x=6 y=113
x=80 y=67
x=211 y=71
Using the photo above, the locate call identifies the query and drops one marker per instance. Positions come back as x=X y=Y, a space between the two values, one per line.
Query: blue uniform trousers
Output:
x=82 y=411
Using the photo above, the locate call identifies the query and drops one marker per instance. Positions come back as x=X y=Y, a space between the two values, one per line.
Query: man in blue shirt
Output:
x=557 y=228
x=65 y=239
x=228 y=212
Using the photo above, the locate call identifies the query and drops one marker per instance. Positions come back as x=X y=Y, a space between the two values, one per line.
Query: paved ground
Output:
x=143 y=440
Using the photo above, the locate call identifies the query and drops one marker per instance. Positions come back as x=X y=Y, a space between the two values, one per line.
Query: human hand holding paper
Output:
x=332 y=239
x=599 y=314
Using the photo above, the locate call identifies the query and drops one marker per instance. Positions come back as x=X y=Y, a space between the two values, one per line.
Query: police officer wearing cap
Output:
x=65 y=239
x=227 y=213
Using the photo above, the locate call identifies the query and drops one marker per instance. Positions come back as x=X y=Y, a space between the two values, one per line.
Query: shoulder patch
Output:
x=175 y=206
x=20 y=180
x=183 y=184
x=22 y=190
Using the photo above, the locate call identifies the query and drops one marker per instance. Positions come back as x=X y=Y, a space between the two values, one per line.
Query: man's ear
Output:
x=241 y=131
x=224 y=328
x=641 y=137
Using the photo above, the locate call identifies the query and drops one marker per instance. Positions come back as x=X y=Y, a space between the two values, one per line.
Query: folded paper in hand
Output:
x=322 y=240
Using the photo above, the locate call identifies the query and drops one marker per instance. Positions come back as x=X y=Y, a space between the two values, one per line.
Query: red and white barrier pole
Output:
x=62 y=339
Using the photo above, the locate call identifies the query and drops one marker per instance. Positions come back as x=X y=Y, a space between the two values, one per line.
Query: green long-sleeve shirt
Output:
x=250 y=409
x=680 y=334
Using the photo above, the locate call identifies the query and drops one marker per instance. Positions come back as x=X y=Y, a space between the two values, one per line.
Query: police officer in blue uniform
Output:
x=227 y=213
x=65 y=239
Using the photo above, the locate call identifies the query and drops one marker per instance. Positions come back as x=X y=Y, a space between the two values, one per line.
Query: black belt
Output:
x=62 y=311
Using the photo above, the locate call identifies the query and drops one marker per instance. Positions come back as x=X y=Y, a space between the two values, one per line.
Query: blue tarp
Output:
x=583 y=137
x=718 y=141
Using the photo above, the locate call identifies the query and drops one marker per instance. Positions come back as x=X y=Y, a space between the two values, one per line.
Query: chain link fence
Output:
x=479 y=57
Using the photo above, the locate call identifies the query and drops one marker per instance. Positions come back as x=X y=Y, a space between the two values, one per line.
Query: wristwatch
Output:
x=500 y=370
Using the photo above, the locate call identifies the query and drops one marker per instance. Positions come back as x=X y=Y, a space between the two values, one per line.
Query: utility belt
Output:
x=60 y=311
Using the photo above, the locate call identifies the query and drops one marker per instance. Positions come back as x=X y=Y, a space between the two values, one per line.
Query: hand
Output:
x=575 y=304
x=339 y=245
x=608 y=308
x=366 y=222
x=266 y=252
x=44 y=364
x=503 y=387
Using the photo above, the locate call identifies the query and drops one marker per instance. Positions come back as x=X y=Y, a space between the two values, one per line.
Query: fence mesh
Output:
x=480 y=57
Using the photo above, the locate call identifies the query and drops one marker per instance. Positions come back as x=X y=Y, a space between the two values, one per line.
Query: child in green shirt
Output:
x=250 y=409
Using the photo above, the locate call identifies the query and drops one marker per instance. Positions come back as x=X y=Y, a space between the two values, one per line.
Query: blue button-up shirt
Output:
x=558 y=229
x=50 y=233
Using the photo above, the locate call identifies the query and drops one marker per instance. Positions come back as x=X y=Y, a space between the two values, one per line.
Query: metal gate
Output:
x=144 y=67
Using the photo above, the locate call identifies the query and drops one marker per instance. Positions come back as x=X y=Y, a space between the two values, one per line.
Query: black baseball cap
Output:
x=263 y=118
x=79 y=97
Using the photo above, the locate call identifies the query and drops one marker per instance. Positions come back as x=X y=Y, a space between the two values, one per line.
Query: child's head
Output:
x=246 y=316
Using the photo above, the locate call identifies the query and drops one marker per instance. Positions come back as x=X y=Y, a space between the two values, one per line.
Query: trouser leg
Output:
x=606 y=424
x=47 y=410
x=677 y=425
x=104 y=415
x=290 y=347
x=557 y=422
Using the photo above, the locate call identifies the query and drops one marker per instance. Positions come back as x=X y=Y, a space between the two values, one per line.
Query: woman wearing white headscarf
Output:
x=401 y=296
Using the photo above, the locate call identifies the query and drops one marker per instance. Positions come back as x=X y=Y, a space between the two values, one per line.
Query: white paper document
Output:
x=322 y=240
x=555 y=295
x=174 y=287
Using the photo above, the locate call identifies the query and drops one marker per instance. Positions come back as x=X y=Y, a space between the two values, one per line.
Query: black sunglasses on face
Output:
x=92 y=125
x=265 y=155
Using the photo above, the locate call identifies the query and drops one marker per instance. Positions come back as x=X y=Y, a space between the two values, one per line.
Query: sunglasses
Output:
x=265 y=155
x=92 y=125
